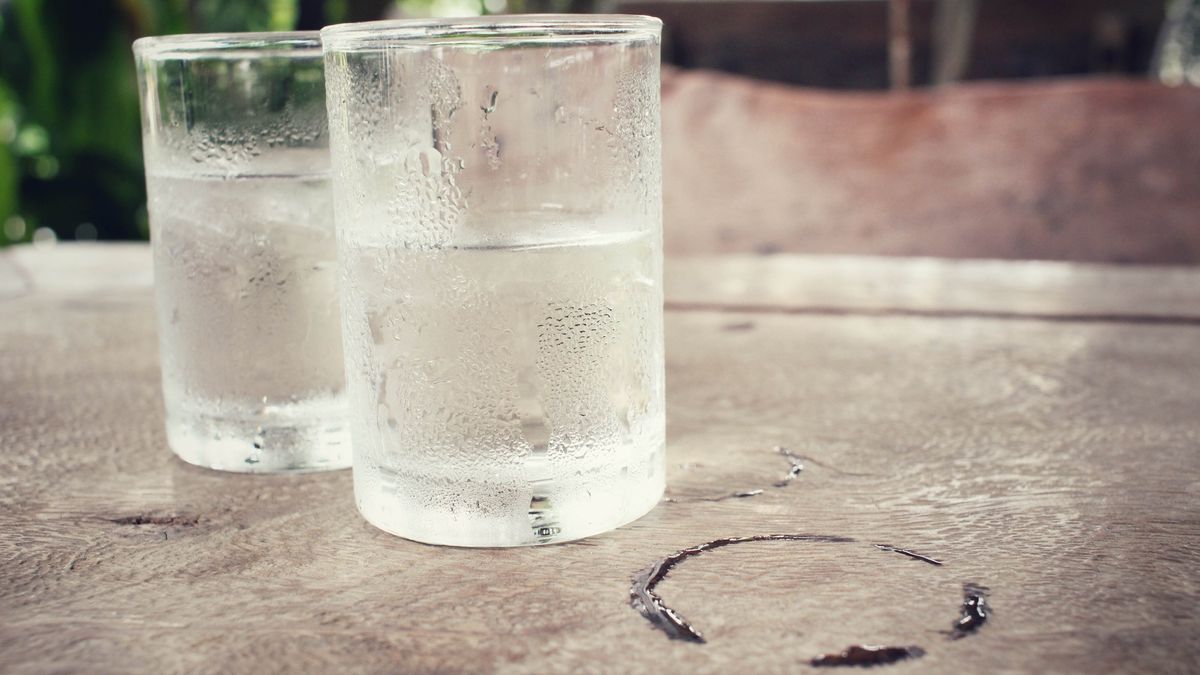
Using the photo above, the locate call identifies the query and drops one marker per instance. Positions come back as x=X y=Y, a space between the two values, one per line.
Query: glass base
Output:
x=271 y=445
x=503 y=513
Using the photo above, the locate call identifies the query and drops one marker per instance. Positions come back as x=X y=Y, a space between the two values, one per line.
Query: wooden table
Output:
x=1033 y=426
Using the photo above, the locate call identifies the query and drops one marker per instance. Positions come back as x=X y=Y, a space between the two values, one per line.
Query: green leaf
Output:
x=9 y=177
x=284 y=14
x=39 y=45
x=222 y=16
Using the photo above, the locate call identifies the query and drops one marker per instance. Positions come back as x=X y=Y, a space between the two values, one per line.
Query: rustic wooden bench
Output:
x=1097 y=170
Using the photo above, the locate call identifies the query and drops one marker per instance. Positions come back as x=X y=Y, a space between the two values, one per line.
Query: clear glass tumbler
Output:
x=241 y=222
x=497 y=189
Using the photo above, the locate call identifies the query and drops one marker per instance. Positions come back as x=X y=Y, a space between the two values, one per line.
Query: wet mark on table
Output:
x=173 y=520
x=912 y=554
x=796 y=466
x=823 y=465
x=793 y=471
x=973 y=613
x=867 y=655
x=649 y=604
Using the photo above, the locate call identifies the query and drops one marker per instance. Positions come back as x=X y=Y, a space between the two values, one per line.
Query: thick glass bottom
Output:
x=285 y=441
x=500 y=511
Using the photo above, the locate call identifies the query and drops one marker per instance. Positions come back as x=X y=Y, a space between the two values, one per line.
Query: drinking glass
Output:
x=497 y=191
x=241 y=224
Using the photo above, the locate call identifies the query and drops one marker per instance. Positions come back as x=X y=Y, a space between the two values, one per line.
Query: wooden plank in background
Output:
x=1085 y=170
x=781 y=282
x=865 y=284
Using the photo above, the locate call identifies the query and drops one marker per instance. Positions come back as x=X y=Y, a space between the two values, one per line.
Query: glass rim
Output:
x=495 y=30
x=192 y=45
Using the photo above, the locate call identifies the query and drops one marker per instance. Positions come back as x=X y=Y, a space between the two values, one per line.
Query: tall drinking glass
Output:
x=241 y=222
x=497 y=185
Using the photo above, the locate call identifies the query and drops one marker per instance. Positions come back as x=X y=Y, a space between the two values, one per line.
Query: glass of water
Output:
x=241 y=221
x=497 y=189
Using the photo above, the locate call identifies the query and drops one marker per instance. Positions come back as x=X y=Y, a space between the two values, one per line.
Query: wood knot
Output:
x=172 y=520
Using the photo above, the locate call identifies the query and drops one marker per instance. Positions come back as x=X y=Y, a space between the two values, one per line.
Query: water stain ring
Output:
x=974 y=610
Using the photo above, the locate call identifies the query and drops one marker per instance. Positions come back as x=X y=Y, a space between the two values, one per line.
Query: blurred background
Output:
x=993 y=128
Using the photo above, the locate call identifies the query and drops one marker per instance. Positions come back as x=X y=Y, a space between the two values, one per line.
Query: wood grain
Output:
x=935 y=286
x=1057 y=463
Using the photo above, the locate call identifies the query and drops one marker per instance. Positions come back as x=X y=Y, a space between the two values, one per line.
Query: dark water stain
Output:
x=491 y=106
x=650 y=605
x=867 y=655
x=793 y=471
x=823 y=465
x=974 y=611
x=147 y=519
x=912 y=554
x=796 y=468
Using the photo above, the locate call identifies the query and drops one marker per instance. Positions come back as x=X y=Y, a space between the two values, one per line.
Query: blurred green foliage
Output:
x=70 y=140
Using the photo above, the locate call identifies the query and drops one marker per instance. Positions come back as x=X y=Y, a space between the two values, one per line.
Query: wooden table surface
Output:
x=1033 y=426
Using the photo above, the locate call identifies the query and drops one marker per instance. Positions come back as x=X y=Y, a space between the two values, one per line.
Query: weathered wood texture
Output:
x=1057 y=462
x=864 y=284
x=1088 y=170
x=844 y=44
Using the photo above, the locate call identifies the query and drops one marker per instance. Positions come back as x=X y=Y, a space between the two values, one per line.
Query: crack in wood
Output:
x=867 y=655
x=174 y=520
x=912 y=554
x=929 y=313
